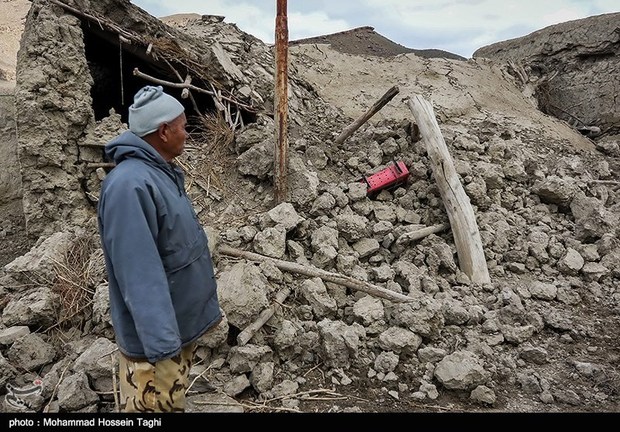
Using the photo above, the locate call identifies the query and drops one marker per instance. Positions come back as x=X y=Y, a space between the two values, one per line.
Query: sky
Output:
x=456 y=26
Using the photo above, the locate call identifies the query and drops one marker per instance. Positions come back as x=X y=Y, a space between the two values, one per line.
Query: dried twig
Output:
x=199 y=376
x=431 y=407
x=313 y=368
x=605 y=182
x=114 y=386
x=47 y=407
x=304 y=394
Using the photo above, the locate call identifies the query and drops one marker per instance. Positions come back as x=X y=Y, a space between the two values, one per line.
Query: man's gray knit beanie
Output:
x=151 y=107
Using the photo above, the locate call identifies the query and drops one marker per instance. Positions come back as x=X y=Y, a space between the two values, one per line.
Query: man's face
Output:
x=173 y=136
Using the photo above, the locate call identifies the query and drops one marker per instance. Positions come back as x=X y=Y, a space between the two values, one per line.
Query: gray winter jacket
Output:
x=163 y=292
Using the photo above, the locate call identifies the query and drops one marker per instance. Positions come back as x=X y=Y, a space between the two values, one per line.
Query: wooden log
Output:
x=336 y=278
x=147 y=77
x=460 y=213
x=348 y=131
x=265 y=315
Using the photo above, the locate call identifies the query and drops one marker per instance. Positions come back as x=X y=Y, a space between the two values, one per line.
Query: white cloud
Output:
x=313 y=24
x=458 y=26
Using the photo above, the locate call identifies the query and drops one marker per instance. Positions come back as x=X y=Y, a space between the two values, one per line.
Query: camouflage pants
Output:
x=155 y=387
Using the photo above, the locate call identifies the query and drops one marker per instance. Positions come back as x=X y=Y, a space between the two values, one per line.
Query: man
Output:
x=163 y=293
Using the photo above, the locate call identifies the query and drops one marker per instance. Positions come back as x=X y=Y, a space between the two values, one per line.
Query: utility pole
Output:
x=281 y=103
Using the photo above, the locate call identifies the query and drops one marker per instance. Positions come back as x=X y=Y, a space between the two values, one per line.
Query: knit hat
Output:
x=152 y=107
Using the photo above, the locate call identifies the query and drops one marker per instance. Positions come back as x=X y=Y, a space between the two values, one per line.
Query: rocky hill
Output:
x=576 y=78
x=335 y=301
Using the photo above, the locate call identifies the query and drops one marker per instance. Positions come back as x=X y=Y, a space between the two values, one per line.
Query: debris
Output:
x=389 y=177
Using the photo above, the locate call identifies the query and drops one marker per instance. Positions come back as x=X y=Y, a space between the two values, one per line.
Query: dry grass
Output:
x=208 y=152
x=75 y=278
x=216 y=133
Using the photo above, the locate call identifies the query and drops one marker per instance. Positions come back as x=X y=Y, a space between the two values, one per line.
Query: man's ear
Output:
x=161 y=131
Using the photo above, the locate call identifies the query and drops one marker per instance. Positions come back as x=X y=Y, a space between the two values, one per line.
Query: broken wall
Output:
x=54 y=107
x=69 y=77
x=76 y=69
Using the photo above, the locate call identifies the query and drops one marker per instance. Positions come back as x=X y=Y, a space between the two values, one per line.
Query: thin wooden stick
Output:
x=139 y=74
x=95 y=165
x=195 y=379
x=264 y=316
x=47 y=407
x=120 y=66
x=604 y=182
x=421 y=233
x=110 y=25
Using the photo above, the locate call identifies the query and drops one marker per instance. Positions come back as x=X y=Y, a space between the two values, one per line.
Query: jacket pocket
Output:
x=185 y=255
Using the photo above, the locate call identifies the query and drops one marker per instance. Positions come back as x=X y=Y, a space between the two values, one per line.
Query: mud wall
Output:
x=54 y=105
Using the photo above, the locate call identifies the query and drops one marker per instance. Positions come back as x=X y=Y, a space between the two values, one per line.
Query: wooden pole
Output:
x=281 y=104
x=348 y=131
x=460 y=213
x=336 y=278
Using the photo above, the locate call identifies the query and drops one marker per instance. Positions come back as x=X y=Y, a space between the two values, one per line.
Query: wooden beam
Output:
x=460 y=213
x=336 y=278
x=348 y=131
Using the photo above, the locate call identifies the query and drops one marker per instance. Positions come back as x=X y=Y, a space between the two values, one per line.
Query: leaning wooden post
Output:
x=460 y=213
x=281 y=104
x=348 y=131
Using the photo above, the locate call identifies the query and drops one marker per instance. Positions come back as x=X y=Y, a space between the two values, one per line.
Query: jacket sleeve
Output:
x=130 y=217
